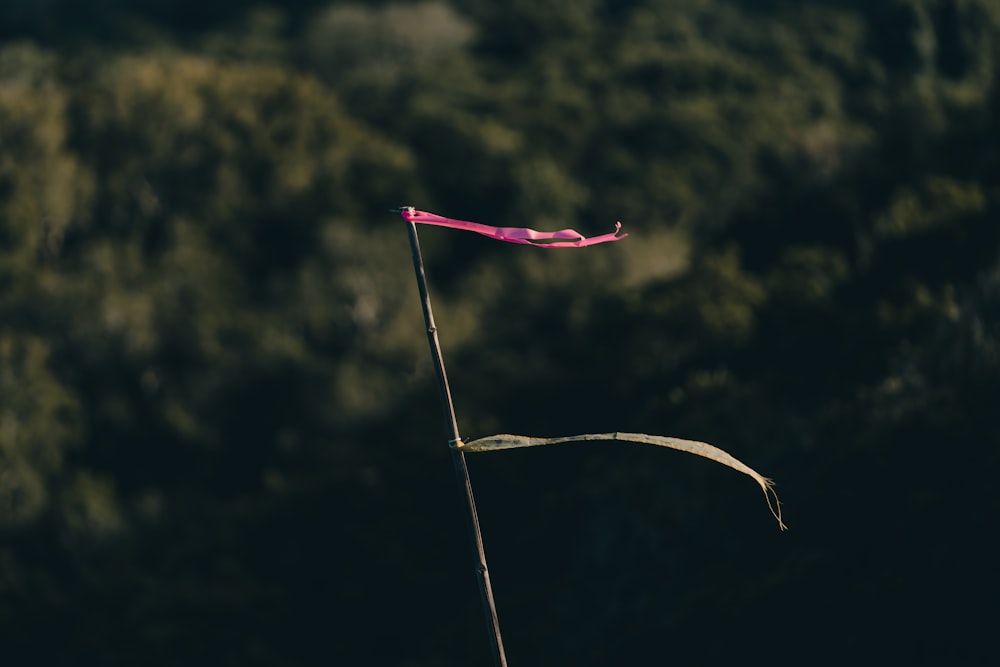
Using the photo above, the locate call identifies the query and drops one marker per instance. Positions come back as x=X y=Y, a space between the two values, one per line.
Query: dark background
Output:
x=220 y=441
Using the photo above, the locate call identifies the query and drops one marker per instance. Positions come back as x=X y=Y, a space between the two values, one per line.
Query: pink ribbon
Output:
x=521 y=235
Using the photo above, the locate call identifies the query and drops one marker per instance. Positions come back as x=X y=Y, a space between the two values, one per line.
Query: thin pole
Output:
x=458 y=457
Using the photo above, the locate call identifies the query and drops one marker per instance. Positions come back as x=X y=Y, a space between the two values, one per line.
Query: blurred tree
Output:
x=216 y=429
x=43 y=186
x=39 y=422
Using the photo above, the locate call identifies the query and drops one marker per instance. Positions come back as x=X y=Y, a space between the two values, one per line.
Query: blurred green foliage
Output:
x=218 y=426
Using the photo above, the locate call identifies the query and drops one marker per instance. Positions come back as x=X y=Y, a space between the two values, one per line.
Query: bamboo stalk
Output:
x=458 y=457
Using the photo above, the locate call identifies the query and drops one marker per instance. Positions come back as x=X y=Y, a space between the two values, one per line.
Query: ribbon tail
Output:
x=584 y=241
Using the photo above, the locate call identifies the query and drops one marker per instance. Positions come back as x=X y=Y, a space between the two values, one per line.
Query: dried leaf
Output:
x=507 y=441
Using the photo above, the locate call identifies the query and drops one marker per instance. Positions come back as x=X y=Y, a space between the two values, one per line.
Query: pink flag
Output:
x=521 y=235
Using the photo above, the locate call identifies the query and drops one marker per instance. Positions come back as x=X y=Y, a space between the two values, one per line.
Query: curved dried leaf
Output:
x=507 y=441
